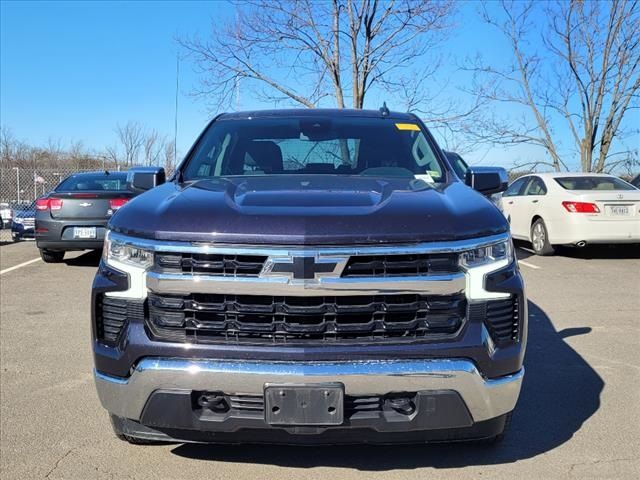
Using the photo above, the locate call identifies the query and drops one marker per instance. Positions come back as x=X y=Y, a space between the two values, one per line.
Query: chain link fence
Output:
x=24 y=185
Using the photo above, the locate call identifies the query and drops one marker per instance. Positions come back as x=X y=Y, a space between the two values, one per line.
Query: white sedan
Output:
x=549 y=209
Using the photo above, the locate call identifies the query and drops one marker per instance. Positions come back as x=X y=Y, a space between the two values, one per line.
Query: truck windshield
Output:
x=381 y=147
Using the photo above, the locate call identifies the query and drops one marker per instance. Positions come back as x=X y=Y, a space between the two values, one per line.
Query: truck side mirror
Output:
x=487 y=180
x=141 y=179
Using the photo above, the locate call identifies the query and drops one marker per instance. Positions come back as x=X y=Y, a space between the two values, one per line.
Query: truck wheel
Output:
x=50 y=256
x=540 y=239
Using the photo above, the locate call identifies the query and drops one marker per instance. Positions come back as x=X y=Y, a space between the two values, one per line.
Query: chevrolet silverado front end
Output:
x=311 y=277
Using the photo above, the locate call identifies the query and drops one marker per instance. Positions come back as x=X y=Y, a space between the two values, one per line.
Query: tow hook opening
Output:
x=403 y=405
x=215 y=401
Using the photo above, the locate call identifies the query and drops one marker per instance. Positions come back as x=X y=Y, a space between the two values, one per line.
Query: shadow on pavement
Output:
x=601 y=252
x=560 y=392
x=88 y=259
x=590 y=252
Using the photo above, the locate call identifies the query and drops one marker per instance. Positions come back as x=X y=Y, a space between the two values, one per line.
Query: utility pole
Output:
x=175 y=123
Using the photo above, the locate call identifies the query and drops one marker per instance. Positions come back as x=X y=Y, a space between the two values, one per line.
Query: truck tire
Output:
x=50 y=256
x=540 y=239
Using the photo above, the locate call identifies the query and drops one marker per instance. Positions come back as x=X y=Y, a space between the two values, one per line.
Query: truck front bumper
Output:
x=447 y=394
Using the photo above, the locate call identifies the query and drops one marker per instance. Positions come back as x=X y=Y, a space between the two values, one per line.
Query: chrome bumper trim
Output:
x=186 y=284
x=485 y=399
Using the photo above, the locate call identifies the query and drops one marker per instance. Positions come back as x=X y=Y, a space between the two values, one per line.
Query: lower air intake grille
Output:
x=254 y=403
x=202 y=318
x=112 y=314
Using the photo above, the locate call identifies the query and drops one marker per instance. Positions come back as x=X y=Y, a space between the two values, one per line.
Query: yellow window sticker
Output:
x=424 y=177
x=408 y=126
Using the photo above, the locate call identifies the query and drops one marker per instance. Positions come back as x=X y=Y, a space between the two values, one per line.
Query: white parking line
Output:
x=530 y=265
x=20 y=265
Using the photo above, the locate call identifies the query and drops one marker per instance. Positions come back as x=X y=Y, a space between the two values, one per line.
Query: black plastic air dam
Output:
x=332 y=436
x=435 y=409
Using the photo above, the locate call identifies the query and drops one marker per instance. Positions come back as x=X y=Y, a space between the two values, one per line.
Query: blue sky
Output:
x=71 y=71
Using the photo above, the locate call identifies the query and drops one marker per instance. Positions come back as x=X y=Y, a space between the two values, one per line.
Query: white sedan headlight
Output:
x=488 y=254
x=117 y=252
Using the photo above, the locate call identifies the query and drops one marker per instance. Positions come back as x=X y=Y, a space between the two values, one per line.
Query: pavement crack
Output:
x=57 y=464
x=598 y=462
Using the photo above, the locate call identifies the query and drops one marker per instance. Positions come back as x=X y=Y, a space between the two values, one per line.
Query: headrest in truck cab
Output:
x=267 y=155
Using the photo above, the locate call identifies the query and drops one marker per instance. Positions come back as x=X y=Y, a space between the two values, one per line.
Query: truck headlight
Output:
x=487 y=254
x=116 y=251
x=18 y=220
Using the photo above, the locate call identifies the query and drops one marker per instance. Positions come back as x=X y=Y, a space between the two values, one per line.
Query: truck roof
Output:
x=316 y=112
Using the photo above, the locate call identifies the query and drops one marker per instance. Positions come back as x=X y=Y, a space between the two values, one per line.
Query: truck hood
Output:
x=309 y=210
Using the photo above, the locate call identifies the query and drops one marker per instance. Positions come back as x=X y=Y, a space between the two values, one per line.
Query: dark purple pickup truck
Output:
x=310 y=276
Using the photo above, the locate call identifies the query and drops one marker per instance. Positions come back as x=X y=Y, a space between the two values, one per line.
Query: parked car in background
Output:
x=550 y=209
x=23 y=223
x=74 y=215
x=5 y=215
x=461 y=168
x=636 y=181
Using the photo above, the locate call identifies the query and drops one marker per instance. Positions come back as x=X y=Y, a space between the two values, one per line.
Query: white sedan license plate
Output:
x=84 y=232
x=619 y=210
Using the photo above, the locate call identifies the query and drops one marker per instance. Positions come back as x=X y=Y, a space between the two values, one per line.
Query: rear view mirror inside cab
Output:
x=316 y=130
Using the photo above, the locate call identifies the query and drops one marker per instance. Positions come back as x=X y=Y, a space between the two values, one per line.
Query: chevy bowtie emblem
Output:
x=303 y=267
x=85 y=204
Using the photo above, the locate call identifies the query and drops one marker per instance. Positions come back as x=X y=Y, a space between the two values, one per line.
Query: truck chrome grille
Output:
x=205 y=318
x=400 y=265
x=210 y=264
x=357 y=266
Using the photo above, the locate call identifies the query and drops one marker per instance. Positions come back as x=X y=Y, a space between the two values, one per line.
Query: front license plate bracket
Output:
x=309 y=404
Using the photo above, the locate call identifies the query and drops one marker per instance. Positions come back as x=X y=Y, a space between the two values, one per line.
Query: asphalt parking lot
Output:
x=578 y=415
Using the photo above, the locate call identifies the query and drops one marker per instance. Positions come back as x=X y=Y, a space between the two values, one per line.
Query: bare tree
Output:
x=112 y=156
x=588 y=77
x=169 y=156
x=304 y=51
x=8 y=145
x=131 y=137
x=154 y=146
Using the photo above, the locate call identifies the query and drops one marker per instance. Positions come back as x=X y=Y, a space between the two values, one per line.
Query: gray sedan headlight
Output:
x=487 y=254
x=116 y=251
